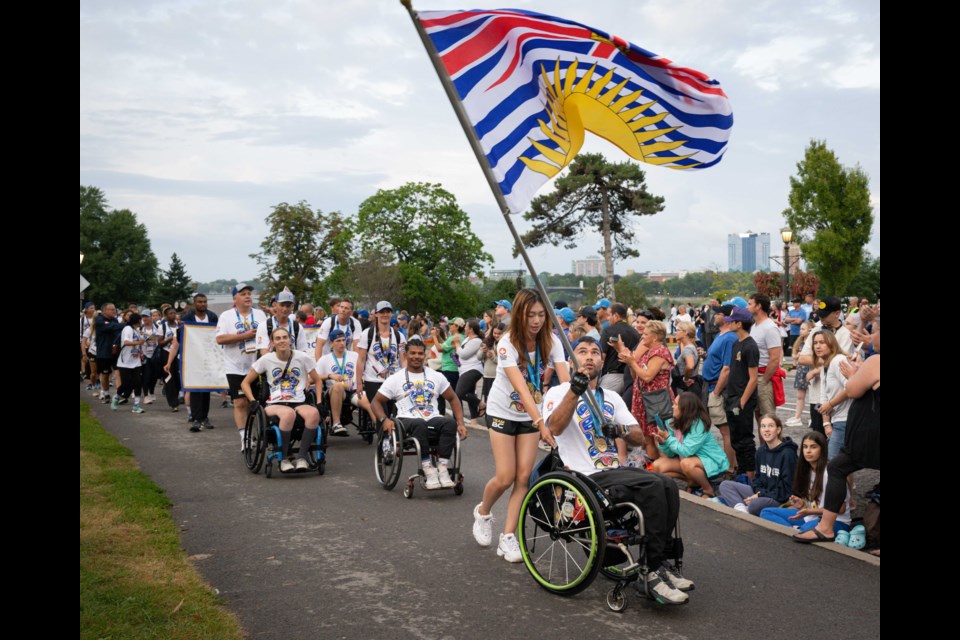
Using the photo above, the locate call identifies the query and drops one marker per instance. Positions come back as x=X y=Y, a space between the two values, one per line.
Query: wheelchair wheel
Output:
x=561 y=534
x=254 y=441
x=616 y=600
x=388 y=459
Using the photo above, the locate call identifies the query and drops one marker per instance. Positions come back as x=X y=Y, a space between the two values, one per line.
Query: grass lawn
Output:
x=135 y=580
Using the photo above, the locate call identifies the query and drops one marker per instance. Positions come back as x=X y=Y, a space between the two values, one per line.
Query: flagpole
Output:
x=468 y=129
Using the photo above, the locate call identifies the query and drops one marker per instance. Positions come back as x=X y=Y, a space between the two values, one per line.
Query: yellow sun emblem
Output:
x=577 y=105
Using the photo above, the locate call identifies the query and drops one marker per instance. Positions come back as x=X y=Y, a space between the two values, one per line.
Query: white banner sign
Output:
x=201 y=363
x=311 y=334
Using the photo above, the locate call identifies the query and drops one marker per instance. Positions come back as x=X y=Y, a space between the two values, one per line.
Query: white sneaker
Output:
x=681 y=583
x=302 y=464
x=793 y=422
x=148 y=400
x=445 y=480
x=660 y=589
x=286 y=466
x=742 y=508
x=482 y=527
x=433 y=478
x=509 y=548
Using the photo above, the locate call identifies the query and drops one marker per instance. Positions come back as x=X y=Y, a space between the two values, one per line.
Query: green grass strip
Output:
x=135 y=580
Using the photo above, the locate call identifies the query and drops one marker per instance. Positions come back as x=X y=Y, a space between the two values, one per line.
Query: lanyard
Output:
x=346 y=331
x=341 y=368
x=534 y=372
x=598 y=394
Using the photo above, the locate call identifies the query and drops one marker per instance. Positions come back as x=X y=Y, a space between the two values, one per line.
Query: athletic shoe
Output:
x=432 y=477
x=676 y=578
x=174 y=409
x=509 y=548
x=662 y=590
x=124 y=400
x=286 y=466
x=445 y=480
x=742 y=508
x=196 y=428
x=189 y=417
x=302 y=464
x=89 y=387
x=340 y=430
x=206 y=424
x=224 y=404
x=114 y=403
x=137 y=409
x=482 y=527
x=105 y=399
x=148 y=399
x=793 y=422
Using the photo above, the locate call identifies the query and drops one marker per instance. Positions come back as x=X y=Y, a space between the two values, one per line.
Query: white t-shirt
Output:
x=153 y=338
x=383 y=355
x=92 y=348
x=330 y=363
x=842 y=517
x=767 y=337
x=846 y=346
x=352 y=329
x=167 y=331
x=582 y=447
x=238 y=357
x=415 y=393
x=263 y=340
x=504 y=401
x=85 y=323
x=470 y=354
x=130 y=355
x=289 y=387
x=833 y=383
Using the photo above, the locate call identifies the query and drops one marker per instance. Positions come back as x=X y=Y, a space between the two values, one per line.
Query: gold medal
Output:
x=600 y=444
x=537 y=397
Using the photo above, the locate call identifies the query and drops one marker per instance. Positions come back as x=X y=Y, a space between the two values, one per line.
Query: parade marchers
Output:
x=726 y=372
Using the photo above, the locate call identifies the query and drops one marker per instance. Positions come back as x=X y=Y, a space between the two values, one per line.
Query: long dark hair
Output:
x=691 y=408
x=801 y=478
x=522 y=303
x=489 y=339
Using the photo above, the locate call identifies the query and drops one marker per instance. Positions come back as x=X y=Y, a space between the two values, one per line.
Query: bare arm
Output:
x=776 y=357
x=722 y=381
x=457 y=407
x=247 y=381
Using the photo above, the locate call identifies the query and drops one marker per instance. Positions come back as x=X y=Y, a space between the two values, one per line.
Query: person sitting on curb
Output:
x=773 y=482
x=690 y=452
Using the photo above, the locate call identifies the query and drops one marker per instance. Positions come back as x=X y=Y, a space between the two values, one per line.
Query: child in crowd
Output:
x=800 y=382
x=776 y=462
x=690 y=452
x=809 y=489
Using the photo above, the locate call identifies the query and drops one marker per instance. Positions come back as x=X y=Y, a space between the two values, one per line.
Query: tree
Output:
x=421 y=229
x=769 y=283
x=830 y=213
x=630 y=291
x=118 y=259
x=593 y=195
x=803 y=283
x=372 y=277
x=175 y=284
x=866 y=284
x=300 y=248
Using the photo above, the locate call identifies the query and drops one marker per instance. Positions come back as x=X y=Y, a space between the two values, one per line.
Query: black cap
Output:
x=828 y=305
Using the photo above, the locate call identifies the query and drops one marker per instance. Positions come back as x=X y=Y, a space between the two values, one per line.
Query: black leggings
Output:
x=442 y=430
x=467 y=390
x=487 y=385
x=838 y=469
x=171 y=388
x=452 y=377
x=151 y=372
x=129 y=382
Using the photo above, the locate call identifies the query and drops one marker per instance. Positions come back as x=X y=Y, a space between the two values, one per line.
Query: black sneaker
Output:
x=206 y=424
x=224 y=404
x=124 y=400
x=189 y=417
x=195 y=427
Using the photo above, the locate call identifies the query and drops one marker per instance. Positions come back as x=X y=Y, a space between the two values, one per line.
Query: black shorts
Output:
x=370 y=389
x=511 y=427
x=292 y=405
x=234 y=380
x=106 y=365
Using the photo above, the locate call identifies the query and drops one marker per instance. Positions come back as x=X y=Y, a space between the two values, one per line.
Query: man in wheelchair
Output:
x=415 y=390
x=586 y=443
x=286 y=372
x=338 y=369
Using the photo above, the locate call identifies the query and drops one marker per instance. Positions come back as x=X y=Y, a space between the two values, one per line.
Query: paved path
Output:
x=338 y=557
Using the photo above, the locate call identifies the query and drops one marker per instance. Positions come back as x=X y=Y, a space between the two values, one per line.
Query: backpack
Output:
x=296 y=330
x=370 y=335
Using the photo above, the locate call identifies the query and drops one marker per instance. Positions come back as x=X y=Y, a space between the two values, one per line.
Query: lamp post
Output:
x=787 y=235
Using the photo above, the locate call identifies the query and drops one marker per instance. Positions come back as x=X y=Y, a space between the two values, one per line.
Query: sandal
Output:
x=820 y=537
x=858 y=537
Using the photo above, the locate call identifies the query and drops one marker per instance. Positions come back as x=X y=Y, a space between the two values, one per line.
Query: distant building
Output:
x=663 y=276
x=748 y=251
x=591 y=266
x=506 y=274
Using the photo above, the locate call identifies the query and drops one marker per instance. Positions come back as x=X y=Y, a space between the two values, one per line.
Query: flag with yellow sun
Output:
x=533 y=85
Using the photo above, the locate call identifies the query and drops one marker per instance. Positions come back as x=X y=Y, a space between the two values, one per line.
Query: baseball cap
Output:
x=560 y=304
x=240 y=286
x=363 y=313
x=87 y=305
x=739 y=314
x=588 y=312
x=383 y=304
x=336 y=334
x=567 y=314
x=286 y=296
x=503 y=303
x=829 y=305
x=737 y=302
x=727 y=309
x=603 y=303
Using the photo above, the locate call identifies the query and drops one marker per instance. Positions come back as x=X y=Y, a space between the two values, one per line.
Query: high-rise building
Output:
x=748 y=251
x=590 y=266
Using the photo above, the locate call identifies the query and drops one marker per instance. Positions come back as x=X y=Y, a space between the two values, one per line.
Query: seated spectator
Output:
x=690 y=452
x=809 y=490
x=773 y=482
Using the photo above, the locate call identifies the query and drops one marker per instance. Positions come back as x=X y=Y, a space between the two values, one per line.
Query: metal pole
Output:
x=464 y=119
x=786 y=271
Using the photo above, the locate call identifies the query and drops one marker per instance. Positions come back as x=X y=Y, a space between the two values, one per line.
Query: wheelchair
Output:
x=388 y=460
x=261 y=441
x=365 y=426
x=571 y=529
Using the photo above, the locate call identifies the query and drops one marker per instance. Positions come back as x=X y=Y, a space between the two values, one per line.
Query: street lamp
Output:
x=787 y=235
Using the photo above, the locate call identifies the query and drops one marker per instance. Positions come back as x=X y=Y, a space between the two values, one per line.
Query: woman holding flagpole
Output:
x=527 y=355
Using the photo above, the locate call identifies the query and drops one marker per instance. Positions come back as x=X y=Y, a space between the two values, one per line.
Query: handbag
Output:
x=657 y=403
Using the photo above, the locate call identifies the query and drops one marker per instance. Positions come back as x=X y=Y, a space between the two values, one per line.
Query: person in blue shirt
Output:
x=716 y=370
x=795 y=317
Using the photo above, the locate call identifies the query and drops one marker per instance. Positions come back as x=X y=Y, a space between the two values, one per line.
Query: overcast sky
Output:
x=201 y=115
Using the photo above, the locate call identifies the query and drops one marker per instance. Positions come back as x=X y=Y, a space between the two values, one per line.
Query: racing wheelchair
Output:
x=261 y=441
x=388 y=460
x=365 y=427
x=571 y=529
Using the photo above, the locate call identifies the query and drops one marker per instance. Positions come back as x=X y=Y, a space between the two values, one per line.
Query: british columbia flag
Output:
x=533 y=84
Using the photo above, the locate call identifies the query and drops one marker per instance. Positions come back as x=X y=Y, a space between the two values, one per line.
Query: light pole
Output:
x=787 y=235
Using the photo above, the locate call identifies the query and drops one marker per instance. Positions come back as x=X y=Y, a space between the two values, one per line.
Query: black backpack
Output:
x=270 y=328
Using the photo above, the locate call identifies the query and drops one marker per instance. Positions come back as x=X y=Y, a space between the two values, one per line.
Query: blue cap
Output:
x=336 y=334
x=363 y=313
x=483 y=325
x=503 y=303
x=394 y=322
x=87 y=305
x=240 y=287
x=602 y=303
x=567 y=314
x=737 y=302
x=739 y=314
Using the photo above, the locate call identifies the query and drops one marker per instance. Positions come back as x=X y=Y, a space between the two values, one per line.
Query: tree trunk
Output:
x=607 y=246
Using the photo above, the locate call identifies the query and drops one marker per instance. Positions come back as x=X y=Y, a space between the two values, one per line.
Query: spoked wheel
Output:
x=388 y=459
x=254 y=441
x=561 y=534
